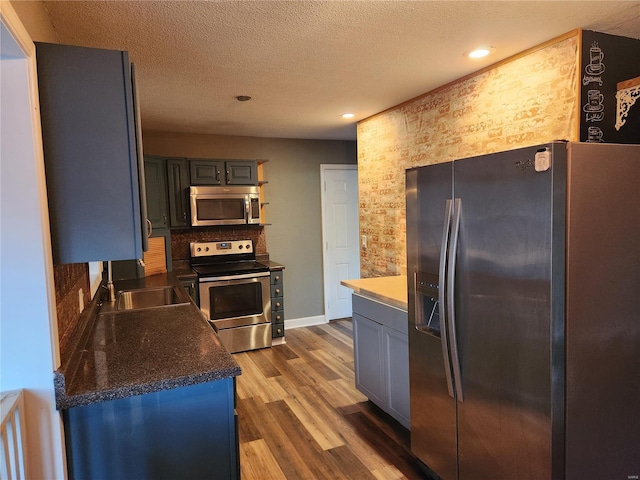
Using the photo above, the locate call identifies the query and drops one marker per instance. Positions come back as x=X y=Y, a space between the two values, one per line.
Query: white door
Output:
x=340 y=231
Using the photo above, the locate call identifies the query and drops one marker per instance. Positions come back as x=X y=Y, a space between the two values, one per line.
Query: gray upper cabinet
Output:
x=207 y=172
x=223 y=172
x=92 y=163
x=156 y=183
x=178 y=187
x=242 y=173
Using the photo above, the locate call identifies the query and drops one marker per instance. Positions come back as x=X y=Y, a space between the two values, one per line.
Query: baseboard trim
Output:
x=304 y=322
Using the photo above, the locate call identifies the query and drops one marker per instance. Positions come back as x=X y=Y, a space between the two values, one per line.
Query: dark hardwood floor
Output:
x=301 y=417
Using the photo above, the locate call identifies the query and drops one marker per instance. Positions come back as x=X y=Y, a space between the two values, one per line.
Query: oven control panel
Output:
x=232 y=247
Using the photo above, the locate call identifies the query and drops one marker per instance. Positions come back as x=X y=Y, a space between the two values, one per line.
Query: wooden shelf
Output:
x=261 y=182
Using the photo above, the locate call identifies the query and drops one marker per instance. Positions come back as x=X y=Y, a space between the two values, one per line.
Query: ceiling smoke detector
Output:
x=243 y=98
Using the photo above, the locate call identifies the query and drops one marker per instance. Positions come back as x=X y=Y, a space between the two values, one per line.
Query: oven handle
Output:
x=235 y=277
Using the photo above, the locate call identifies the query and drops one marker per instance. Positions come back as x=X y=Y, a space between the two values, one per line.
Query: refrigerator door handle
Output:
x=441 y=296
x=451 y=313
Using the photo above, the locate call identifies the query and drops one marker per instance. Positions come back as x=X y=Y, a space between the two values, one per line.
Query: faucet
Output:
x=110 y=288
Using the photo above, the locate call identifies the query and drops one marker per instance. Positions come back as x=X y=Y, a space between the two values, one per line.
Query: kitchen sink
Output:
x=147 y=298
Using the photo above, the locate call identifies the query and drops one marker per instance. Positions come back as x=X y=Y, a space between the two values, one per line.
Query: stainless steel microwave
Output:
x=225 y=206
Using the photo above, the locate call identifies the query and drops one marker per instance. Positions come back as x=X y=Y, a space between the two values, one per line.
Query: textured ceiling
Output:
x=305 y=62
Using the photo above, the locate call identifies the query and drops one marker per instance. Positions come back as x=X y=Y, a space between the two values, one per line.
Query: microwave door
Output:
x=219 y=210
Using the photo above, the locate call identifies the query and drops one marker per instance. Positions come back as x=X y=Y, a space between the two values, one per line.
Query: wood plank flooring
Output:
x=301 y=417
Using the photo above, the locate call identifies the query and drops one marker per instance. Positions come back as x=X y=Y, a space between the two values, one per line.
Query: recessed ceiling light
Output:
x=348 y=115
x=479 y=52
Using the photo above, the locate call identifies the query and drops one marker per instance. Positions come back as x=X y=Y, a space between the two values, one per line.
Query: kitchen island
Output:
x=389 y=290
x=380 y=343
x=148 y=392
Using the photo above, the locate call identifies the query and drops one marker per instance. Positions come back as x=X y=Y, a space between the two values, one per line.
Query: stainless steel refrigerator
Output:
x=523 y=274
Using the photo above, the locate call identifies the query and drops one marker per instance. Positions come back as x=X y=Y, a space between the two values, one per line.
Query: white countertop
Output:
x=389 y=290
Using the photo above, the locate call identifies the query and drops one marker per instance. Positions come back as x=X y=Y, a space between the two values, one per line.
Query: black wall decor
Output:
x=608 y=60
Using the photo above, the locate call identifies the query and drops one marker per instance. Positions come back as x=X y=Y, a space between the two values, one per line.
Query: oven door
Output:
x=236 y=300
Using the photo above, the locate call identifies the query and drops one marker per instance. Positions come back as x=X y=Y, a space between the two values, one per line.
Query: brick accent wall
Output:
x=528 y=100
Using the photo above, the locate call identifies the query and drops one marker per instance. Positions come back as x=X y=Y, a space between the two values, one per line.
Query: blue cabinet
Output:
x=186 y=432
x=94 y=169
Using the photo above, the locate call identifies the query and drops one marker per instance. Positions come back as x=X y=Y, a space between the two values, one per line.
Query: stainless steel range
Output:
x=234 y=293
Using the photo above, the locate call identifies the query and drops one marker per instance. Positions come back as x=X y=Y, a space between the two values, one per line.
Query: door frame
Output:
x=30 y=352
x=325 y=279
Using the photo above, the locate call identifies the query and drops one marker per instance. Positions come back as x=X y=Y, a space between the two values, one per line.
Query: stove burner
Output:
x=225 y=258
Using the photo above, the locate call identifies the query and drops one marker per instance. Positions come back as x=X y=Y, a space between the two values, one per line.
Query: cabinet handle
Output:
x=277 y=291
x=279 y=330
x=217 y=175
x=278 y=317
x=277 y=278
x=277 y=304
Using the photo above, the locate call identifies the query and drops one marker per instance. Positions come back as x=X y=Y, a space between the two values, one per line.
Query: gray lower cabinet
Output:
x=277 y=304
x=381 y=356
x=186 y=432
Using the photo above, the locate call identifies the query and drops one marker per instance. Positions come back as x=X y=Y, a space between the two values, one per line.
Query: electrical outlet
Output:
x=364 y=241
x=81 y=300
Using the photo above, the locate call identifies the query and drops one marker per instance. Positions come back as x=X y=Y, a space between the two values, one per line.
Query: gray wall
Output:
x=294 y=237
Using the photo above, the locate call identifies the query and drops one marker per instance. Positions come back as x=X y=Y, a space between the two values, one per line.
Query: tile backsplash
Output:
x=180 y=239
x=69 y=279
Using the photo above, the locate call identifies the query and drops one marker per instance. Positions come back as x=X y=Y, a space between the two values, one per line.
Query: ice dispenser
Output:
x=427 y=316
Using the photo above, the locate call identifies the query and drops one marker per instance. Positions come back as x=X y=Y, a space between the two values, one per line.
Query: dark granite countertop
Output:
x=133 y=352
x=182 y=268
x=272 y=265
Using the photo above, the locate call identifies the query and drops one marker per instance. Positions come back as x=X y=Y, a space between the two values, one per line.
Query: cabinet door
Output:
x=185 y=432
x=396 y=358
x=156 y=182
x=277 y=291
x=206 y=172
x=178 y=185
x=277 y=329
x=242 y=172
x=368 y=358
x=91 y=162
